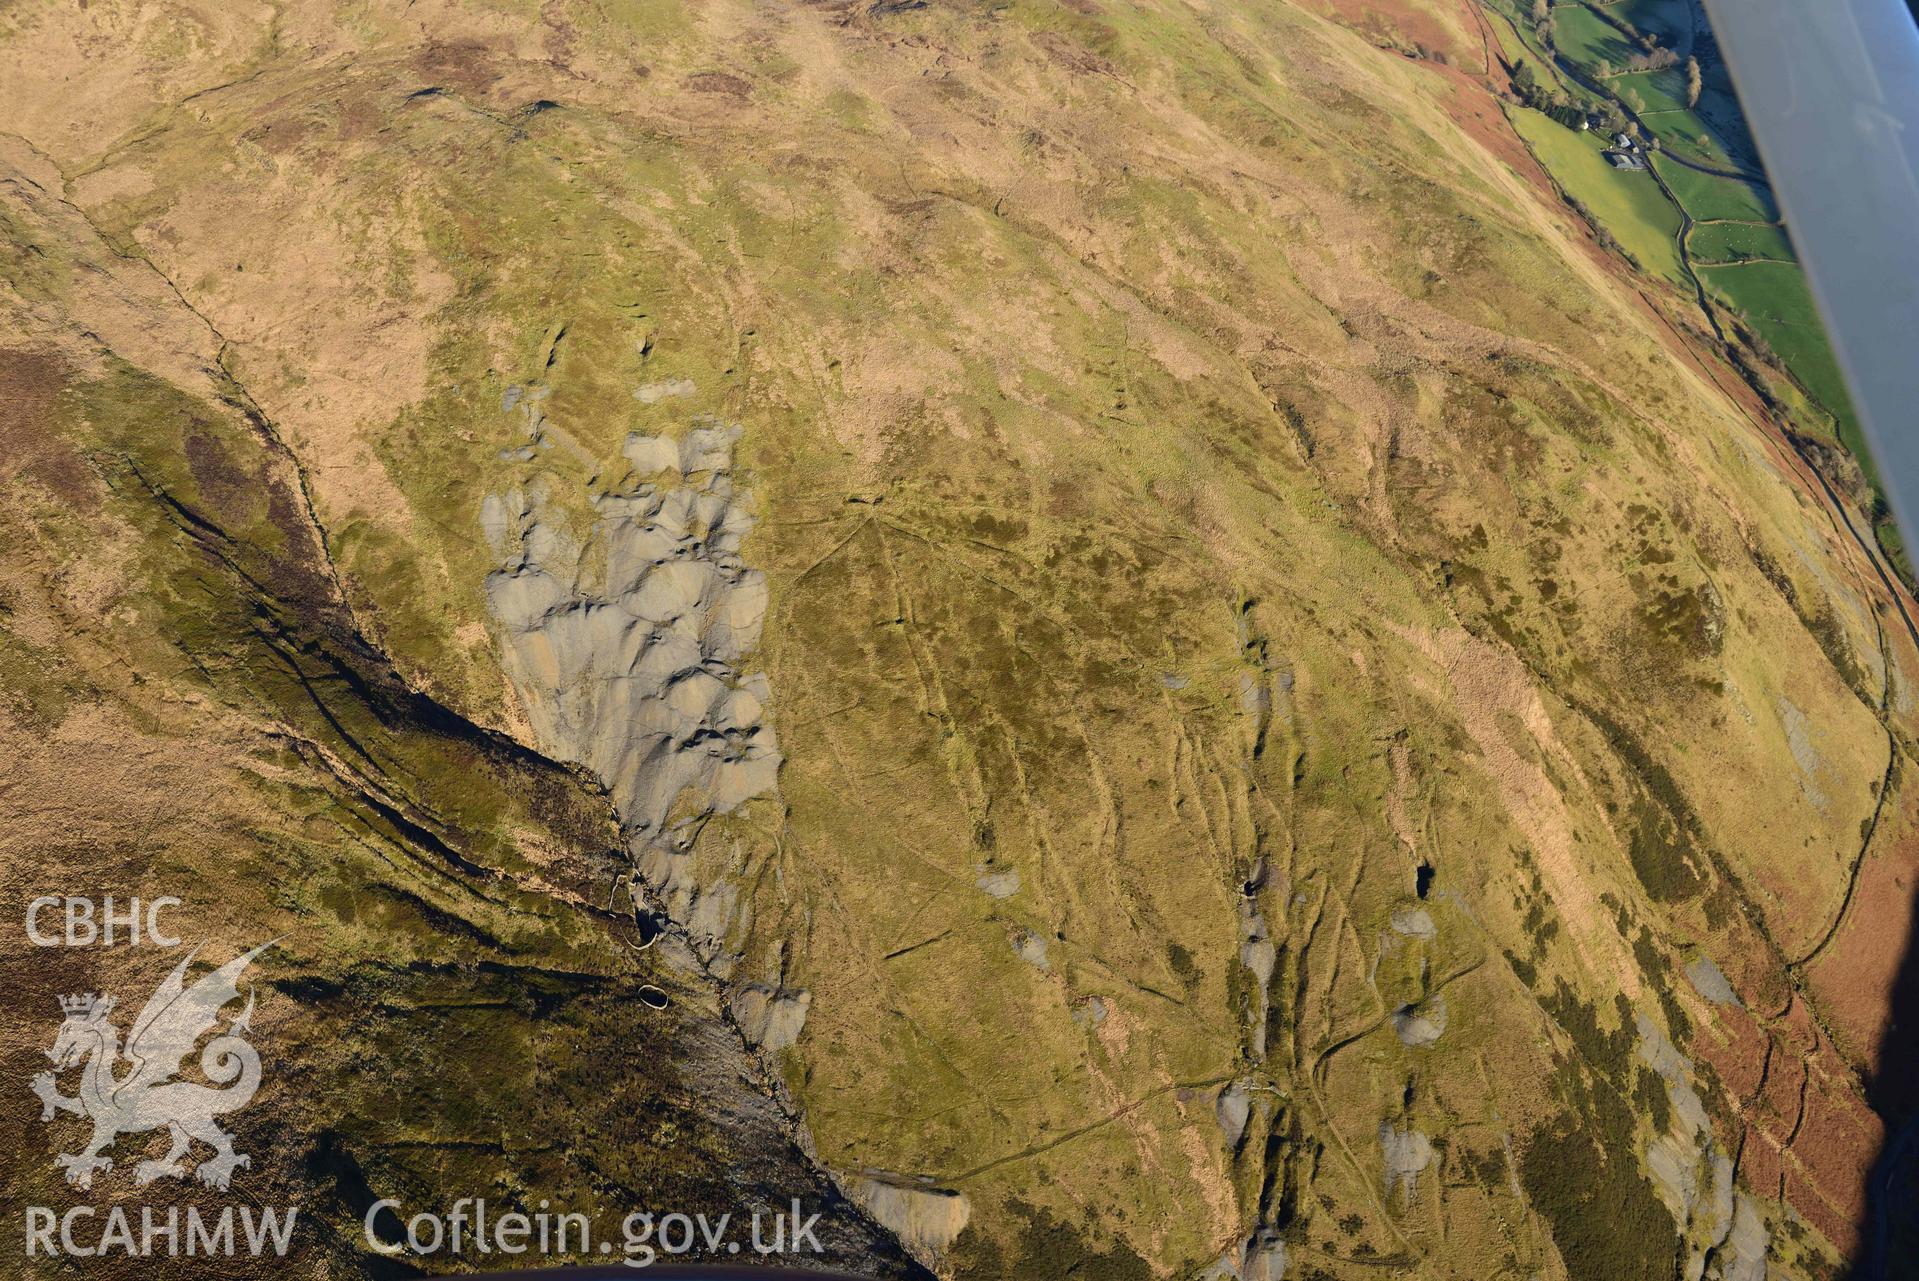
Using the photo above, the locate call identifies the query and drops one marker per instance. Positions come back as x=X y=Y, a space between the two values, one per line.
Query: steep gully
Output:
x=353 y=660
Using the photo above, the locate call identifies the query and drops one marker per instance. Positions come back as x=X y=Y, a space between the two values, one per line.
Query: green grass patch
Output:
x=1777 y=303
x=1775 y=300
x=1708 y=197
x=1685 y=134
x=1718 y=109
x=1586 y=39
x=1665 y=18
x=1629 y=205
x=1893 y=544
x=1652 y=91
x=1715 y=242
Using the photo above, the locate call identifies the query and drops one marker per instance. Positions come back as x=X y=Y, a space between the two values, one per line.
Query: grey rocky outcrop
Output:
x=1422 y=1024
x=1407 y=1153
x=628 y=652
x=770 y=1017
x=1693 y=1176
x=925 y=1218
x=1234 y=1109
x=1415 y=923
x=1710 y=981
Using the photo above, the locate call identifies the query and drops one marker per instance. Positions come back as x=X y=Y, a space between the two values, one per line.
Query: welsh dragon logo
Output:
x=136 y=1091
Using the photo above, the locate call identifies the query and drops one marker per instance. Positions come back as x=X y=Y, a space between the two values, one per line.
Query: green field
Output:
x=1894 y=544
x=1719 y=110
x=1588 y=39
x=1708 y=197
x=1777 y=303
x=1629 y=205
x=1652 y=91
x=1668 y=19
x=1684 y=134
x=1738 y=241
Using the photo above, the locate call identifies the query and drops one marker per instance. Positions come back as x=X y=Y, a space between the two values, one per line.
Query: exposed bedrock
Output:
x=925 y=1218
x=1421 y=1024
x=1406 y=1153
x=627 y=651
x=770 y=1018
x=1693 y=1176
x=1262 y=1258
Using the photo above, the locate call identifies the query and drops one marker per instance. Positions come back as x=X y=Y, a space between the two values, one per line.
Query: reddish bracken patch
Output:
x=1839 y=1137
x=1741 y=1058
x=1785 y=1091
x=1809 y=1138
x=1475 y=110
x=1855 y=977
x=1762 y=1167
x=1405 y=24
